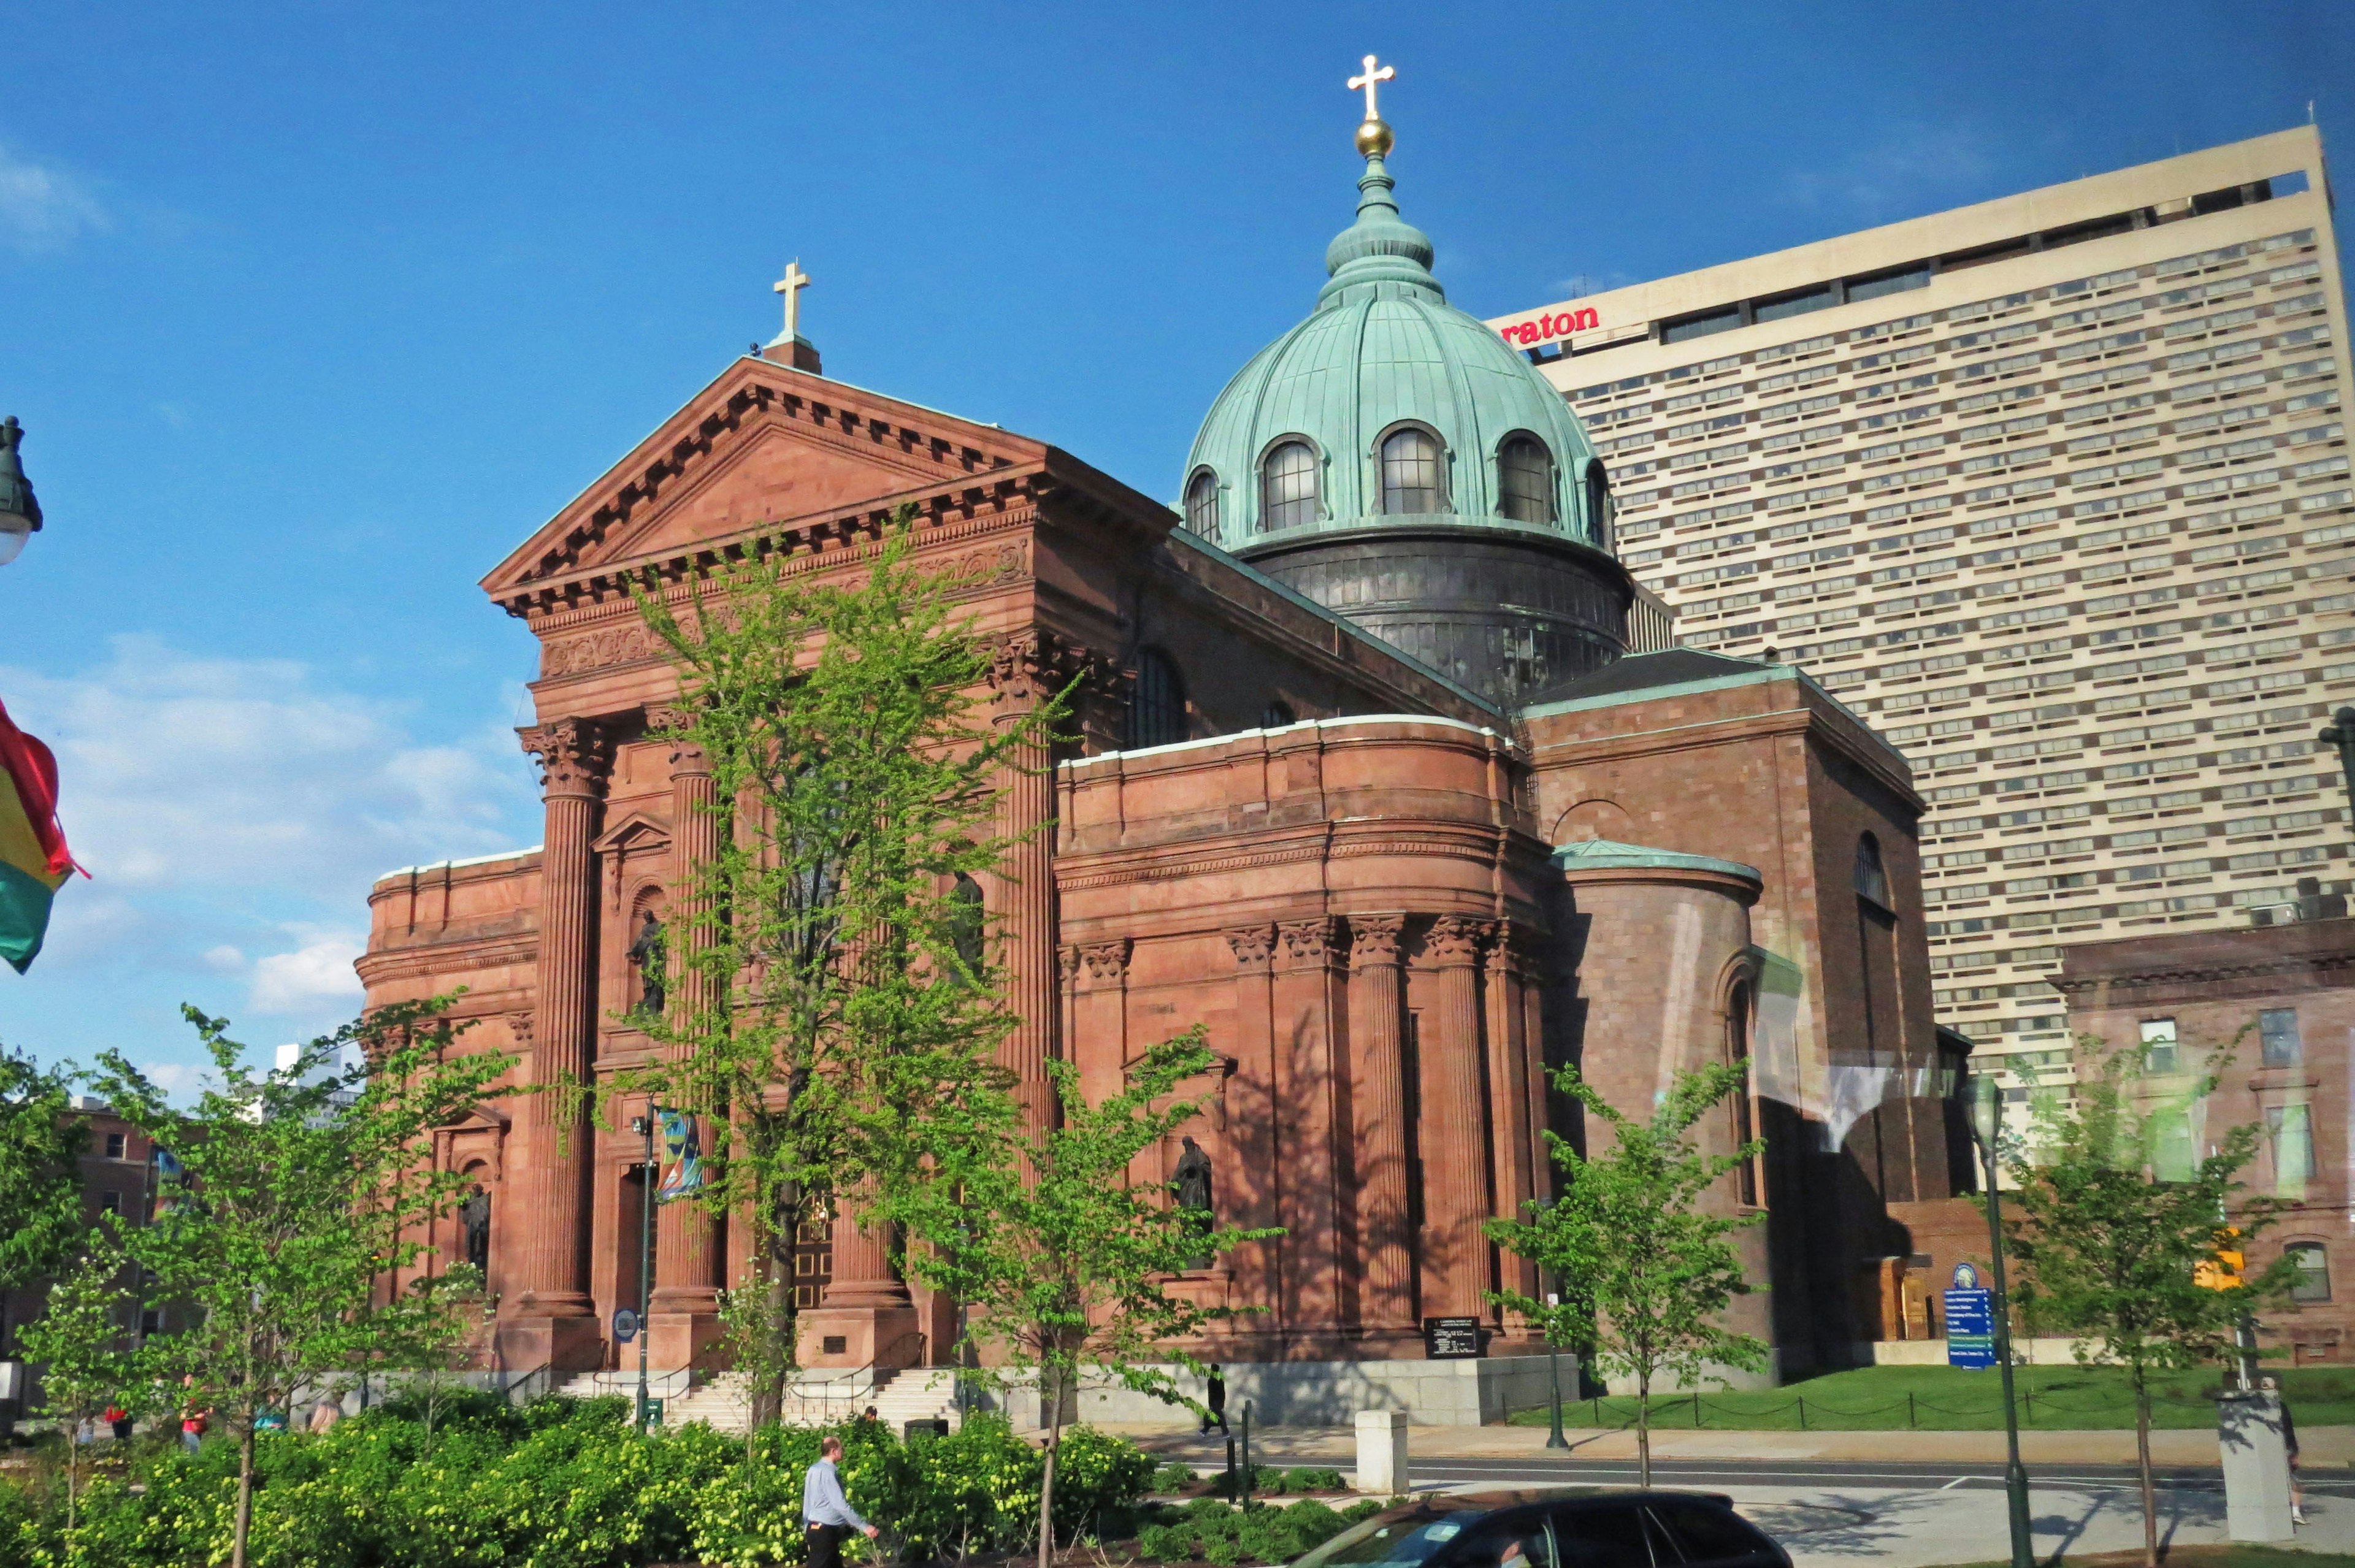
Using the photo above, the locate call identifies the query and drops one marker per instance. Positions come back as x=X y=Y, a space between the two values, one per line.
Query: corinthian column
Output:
x=1020 y=680
x=683 y=1310
x=1378 y=1084
x=555 y=1319
x=1508 y=1093
x=1454 y=1142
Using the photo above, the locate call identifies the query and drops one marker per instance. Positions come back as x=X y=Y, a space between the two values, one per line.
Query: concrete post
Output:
x=2257 y=1466
x=1382 y=1451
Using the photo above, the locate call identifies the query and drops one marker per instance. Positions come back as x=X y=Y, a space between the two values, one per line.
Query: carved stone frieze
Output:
x=597 y=650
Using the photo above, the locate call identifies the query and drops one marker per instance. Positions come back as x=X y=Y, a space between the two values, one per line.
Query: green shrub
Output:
x=1174 y=1477
x=1313 y=1480
x=1164 y=1543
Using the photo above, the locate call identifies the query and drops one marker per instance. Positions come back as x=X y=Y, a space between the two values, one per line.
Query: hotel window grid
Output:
x=1411 y=472
x=2277 y=1037
x=1525 y=481
x=2104 y=644
x=1287 y=487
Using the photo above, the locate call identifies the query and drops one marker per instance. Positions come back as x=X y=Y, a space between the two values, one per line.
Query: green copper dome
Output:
x=1385 y=350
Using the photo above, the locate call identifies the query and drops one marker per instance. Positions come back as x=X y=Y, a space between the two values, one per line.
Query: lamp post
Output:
x=2341 y=734
x=1986 y=1121
x=1554 y=1439
x=644 y=1127
x=20 y=515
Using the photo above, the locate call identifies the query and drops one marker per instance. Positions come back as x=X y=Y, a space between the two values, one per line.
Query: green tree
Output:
x=2112 y=1254
x=843 y=1003
x=300 y=1191
x=78 y=1342
x=1641 y=1247
x=40 y=1189
x=1063 y=1257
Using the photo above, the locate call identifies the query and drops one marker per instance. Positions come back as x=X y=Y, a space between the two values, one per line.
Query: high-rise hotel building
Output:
x=2054 y=491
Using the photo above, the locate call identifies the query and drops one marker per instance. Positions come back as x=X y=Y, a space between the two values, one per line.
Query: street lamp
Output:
x=644 y=1127
x=1986 y=1121
x=1554 y=1439
x=20 y=515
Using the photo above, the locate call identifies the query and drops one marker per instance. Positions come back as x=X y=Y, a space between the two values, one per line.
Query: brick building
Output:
x=1371 y=785
x=2278 y=1002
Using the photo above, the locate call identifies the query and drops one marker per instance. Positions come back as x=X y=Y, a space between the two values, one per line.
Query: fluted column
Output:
x=687 y=1266
x=1258 y=1180
x=1455 y=1132
x=1509 y=1094
x=553 y=1185
x=1378 y=1082
x=1309 y=997
x=1020 y=680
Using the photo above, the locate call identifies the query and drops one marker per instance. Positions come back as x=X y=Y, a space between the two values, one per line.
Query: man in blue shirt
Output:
x=827 y=1514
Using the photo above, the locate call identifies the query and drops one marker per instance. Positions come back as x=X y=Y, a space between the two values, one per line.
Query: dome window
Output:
x=1598 y=503
x=1202 y=505
x=1525 y=481
x=1411 y=471
x=1287 y=487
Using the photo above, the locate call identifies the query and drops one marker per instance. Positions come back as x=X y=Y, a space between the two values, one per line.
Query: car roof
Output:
x=1499 y=1500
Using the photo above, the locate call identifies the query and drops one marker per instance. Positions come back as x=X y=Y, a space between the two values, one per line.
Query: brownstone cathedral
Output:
x=1373 y=785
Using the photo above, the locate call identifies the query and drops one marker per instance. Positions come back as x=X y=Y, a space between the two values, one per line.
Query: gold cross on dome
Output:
x=1368 y=81
x=791 y=286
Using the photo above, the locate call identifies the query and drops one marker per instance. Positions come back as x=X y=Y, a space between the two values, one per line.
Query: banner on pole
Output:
x=683 y=1158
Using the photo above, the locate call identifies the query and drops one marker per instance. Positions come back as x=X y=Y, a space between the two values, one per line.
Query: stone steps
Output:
x=725 y=1404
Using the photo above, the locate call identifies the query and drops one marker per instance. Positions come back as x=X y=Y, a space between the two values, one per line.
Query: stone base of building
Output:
x=572 y=1343
x=676 y=1340
x=861 y=1336
x=1331 y=1394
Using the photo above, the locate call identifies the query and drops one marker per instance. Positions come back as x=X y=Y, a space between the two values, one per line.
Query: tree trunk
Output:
x=73 y=1463
x=244 y=1498
x=2142 y=1462
x=1049 y=1378
x=1644 y=1428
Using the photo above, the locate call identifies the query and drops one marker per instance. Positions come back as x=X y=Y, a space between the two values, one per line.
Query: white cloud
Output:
x=225 y=958
x=179 y=1080
x=1917 y=169
x=179 y=773
x=310 y=979
x=44 y=209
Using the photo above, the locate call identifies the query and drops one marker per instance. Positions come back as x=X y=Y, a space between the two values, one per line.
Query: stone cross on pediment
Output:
x=790 y=285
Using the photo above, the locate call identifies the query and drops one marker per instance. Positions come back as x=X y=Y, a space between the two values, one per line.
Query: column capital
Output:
x=1512 y=950
x=1455 y=942
x=1067 y=962
x=686 y=757
x=1253 y=946
x=1374 y=940
x=1308 y=943
x=1107 y=962
x=573 y=755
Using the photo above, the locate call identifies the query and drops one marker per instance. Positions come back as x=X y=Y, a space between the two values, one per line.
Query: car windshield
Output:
x=1409 y=1542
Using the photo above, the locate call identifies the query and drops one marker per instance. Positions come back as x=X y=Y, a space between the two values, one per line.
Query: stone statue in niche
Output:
x=474 y=1223
x=646 y=955
x=1193 y=1185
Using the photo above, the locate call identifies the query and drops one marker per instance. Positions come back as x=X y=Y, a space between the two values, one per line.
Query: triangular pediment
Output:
x=635 y=831
x=763 y=445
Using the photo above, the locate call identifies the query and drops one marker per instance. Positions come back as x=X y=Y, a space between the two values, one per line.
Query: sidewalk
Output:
x=2322 y=1447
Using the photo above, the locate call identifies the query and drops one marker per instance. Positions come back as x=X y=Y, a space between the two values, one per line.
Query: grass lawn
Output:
x=1951 y=1398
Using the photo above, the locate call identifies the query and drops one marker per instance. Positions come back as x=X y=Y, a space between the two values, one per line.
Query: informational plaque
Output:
x=1451 y=1339
x=1970 y=1320
x=625 y=1325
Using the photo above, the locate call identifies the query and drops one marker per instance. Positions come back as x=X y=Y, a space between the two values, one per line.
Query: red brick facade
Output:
x=1347 y=875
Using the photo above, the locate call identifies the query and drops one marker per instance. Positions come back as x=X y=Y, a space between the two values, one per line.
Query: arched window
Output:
x=1277 y=714
x=968 y=923
x=1871 y=876
x=1410 y=471
x=1157 y=708
x=1287 y=487
x=1525 y=481
x=2312 y=1280
x=1737 y=1051
x=1598 y=501
x=1202 y=505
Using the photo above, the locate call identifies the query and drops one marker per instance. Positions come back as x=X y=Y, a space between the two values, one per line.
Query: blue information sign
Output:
x=1970 y=1328
x=625 y=1325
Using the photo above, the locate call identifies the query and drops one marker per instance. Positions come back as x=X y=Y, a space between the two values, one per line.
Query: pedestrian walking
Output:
x=194 y=1416
x=2290 y=1442
x=827 y=1514
x=1214 y=1400
x=120 y=1419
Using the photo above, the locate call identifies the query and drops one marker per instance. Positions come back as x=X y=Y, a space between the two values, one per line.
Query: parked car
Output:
x=1569 y=1527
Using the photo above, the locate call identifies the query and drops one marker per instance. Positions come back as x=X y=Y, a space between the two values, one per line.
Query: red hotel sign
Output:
x=1546 y=328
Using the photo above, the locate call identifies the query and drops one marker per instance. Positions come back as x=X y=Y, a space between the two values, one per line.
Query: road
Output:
x=1811 y=1474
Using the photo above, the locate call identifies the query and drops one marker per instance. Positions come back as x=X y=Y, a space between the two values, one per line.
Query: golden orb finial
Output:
x=1374 y=139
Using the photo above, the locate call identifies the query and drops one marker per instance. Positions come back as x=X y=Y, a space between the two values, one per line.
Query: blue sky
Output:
x=312 y=311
